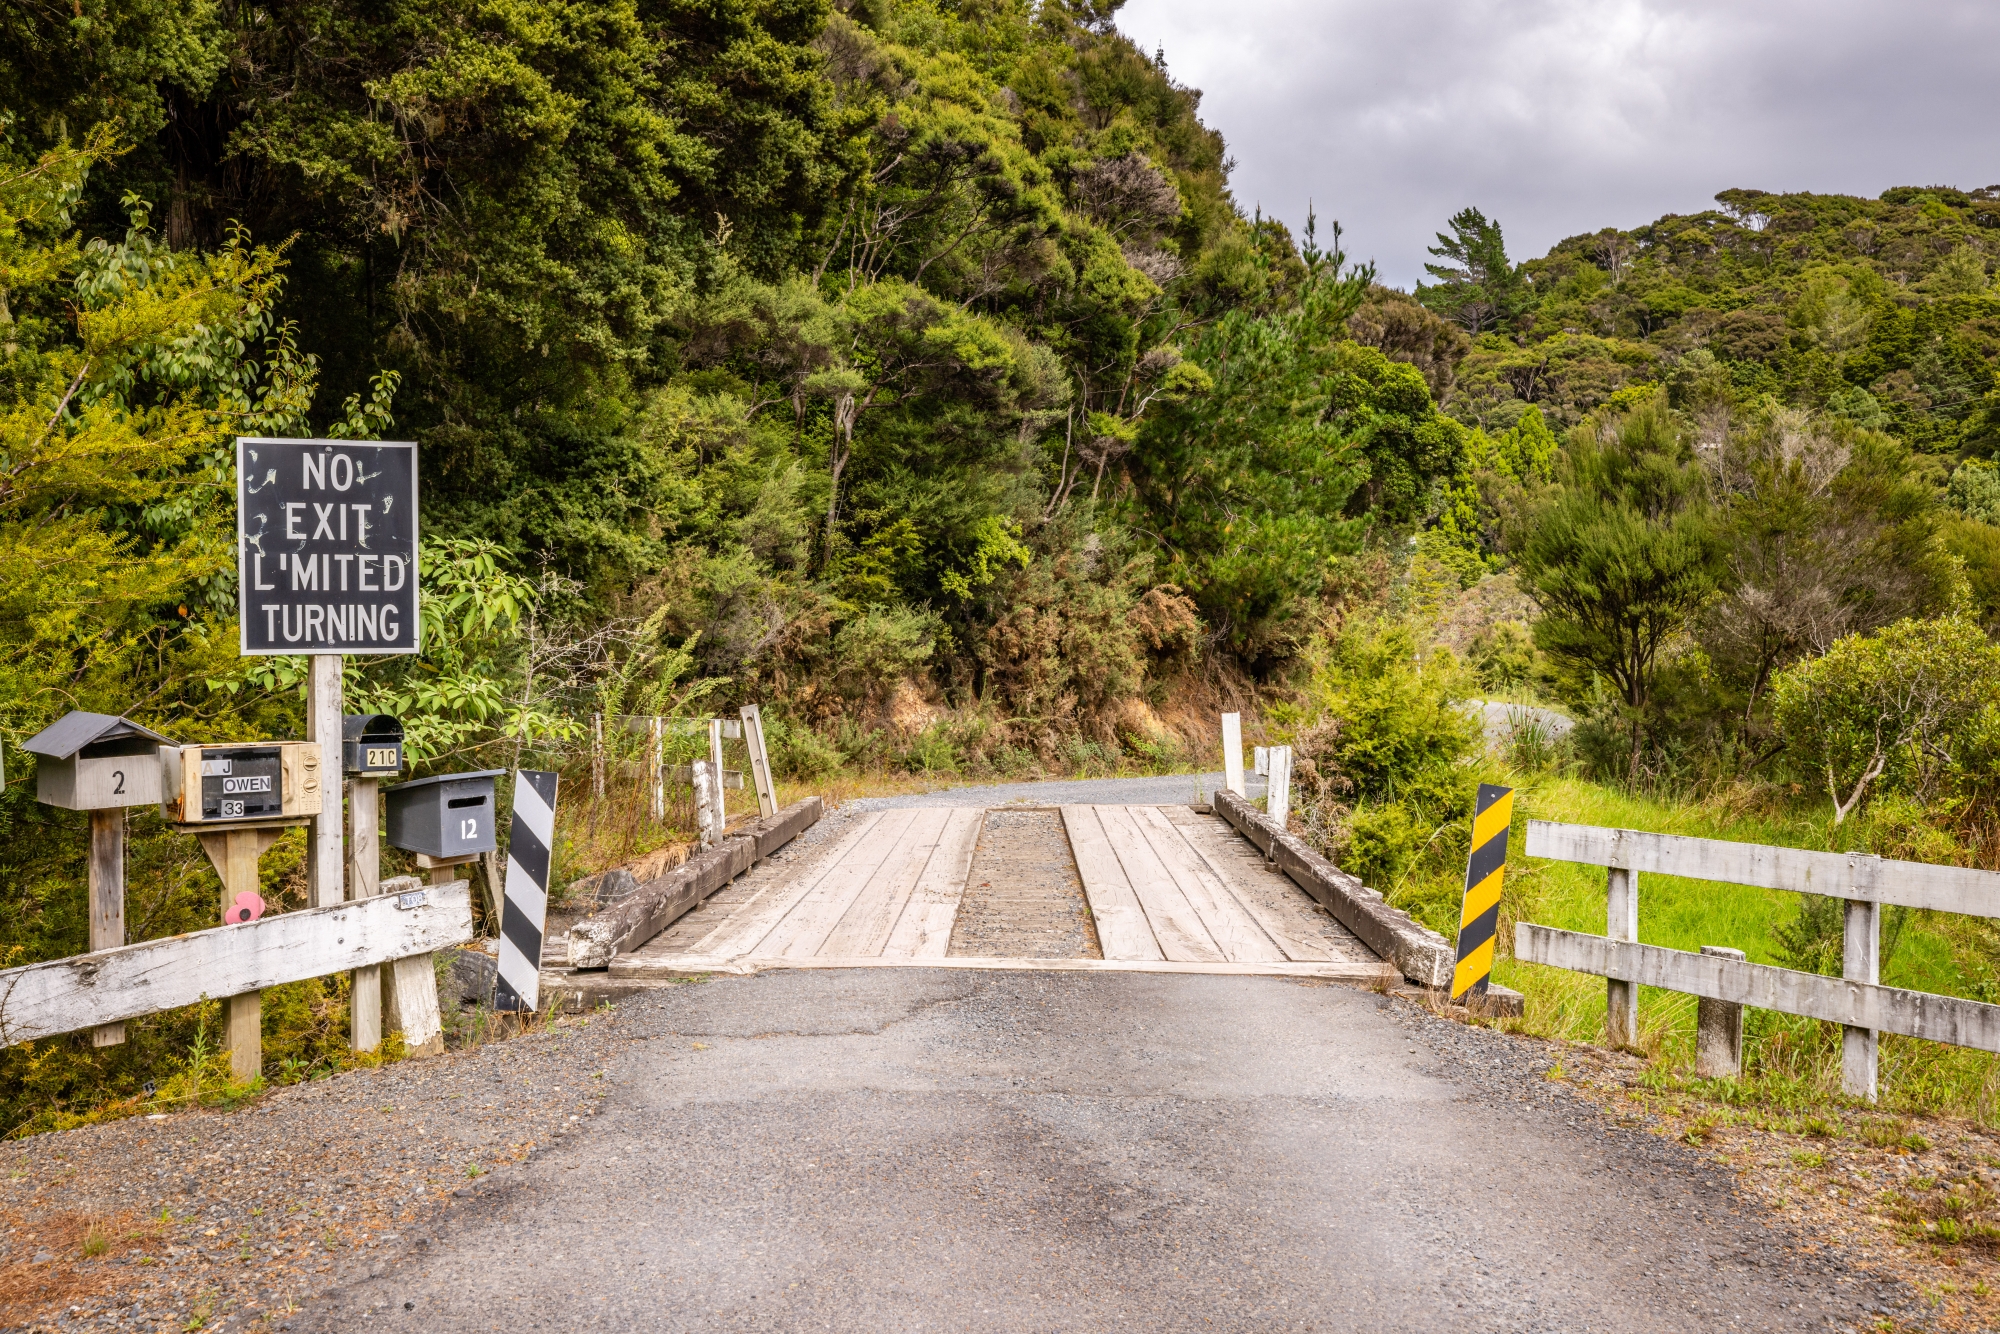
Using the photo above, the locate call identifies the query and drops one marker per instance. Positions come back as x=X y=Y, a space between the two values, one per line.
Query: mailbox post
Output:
x=447 y=820
x=101 y=764
x=237 y=799
x=371 y=749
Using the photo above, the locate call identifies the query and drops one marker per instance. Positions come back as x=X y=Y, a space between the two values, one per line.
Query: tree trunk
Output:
x=843 y=448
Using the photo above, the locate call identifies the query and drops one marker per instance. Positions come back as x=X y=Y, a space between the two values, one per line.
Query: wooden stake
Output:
x=410 y=993
x=1278 y=787
x=659 y=773
x=1232 y=752
x=760 y=761
x=704 y=802
x=236 y=853
x=323 y=860
x=597 y=754
x=364 y=879
x=107 y=899
x=719 y=814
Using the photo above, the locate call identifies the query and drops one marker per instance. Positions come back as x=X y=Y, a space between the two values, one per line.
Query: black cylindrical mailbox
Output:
x=451 y=815
x=371 y=745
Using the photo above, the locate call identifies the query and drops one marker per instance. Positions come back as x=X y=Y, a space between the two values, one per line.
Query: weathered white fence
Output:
x=67 y=995
x=1855 y=1000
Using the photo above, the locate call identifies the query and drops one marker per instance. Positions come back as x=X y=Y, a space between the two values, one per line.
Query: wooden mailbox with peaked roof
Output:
x=97 y=762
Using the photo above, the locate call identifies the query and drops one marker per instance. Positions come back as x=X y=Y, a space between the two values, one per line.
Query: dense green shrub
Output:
x=1384 y=752
x=1913 y=708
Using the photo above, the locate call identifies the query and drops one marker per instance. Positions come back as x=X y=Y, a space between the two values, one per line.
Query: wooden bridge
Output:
x=1085 y=887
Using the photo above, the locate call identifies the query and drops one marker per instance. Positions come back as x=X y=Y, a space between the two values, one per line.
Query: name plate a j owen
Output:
x=326 y=545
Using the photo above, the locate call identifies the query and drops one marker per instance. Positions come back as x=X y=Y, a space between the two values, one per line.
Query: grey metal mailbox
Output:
x=451 y=815
x=96 y=762
x=371 y=745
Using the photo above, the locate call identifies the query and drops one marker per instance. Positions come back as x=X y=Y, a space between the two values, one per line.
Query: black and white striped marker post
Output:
x=527 y=893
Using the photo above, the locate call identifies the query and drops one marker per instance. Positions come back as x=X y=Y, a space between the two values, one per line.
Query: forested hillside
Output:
x=1784 y=409
x=893 y=346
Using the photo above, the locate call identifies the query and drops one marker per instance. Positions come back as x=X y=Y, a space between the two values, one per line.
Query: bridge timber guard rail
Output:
x=1725 y=982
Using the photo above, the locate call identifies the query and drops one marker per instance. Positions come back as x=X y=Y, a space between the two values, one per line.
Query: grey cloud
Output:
x=1563 y=116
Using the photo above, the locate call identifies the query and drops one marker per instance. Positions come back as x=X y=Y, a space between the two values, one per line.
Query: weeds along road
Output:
x=932 y=1150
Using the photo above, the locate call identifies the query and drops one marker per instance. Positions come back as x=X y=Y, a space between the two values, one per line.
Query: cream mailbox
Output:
x=448 y=816
x=96 y=762
x=240 y=782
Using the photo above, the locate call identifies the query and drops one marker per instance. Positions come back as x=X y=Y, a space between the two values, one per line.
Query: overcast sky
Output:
x=1564 y=116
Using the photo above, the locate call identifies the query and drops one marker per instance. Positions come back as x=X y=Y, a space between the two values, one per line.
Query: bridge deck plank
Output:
x=1237 y=931
x=806 y=927
x=747 y=925
x=1123 y=928
x=1178 y=927
x=864 y=929
x=924 y=930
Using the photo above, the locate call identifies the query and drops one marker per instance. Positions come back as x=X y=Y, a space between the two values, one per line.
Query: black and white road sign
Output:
x=524 y=912
x=326 y=545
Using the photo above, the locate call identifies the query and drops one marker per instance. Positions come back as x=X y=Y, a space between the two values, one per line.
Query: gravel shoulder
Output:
x=238 y=1219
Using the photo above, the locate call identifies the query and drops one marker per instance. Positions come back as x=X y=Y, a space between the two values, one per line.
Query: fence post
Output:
x=235 y=853
x=1232 y=752
x=1718 y=1029
x=760 y=760
x=107 y=899
x=1861 y=952
x=364 y=879
x=1621 y=999
x=659 y=772
x=720 y=814
x=597 y=754
x=410 y=998
x=1278 y=788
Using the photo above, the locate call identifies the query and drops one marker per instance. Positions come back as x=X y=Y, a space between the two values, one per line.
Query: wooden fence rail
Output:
x=1855 y=1000
x=67 y=995
x=1860 y=876
x=1916 y=1014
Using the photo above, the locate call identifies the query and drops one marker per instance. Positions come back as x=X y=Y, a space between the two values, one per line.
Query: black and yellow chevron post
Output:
x=1480 y=919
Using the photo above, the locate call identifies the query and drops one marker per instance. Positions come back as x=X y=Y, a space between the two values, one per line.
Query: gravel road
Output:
x=922 y=1149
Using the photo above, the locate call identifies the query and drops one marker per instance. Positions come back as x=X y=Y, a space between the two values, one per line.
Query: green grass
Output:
x=1789 y=1061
